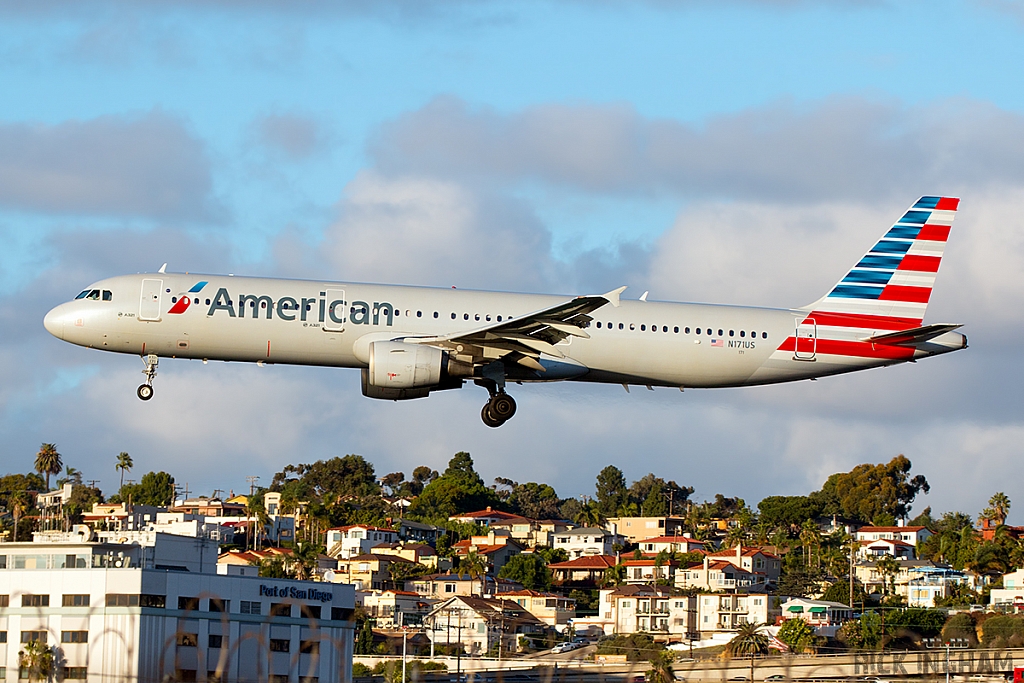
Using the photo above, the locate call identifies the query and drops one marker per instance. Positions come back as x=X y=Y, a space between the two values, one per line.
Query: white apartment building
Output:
x=726 y=612
x=1012 y=592
x=357 y=539
x=151 y=606
x=642 y=609
x=908 y=534
x=588 y=541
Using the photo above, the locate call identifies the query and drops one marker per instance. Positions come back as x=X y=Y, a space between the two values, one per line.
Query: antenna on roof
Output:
x=163 y=268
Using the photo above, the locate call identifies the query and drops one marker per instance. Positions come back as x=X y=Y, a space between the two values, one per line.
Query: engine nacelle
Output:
x=397 y=365
x=400 y=371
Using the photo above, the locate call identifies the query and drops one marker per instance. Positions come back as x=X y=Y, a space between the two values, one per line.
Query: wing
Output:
x=522 y=340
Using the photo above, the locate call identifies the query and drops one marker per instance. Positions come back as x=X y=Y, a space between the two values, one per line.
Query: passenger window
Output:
x=743 y=333
x=697 y=330
x=499 y=318
x=487 y=318
x=598 y=325
x=720 y=332
x=764 y=335
x=686 y=330
x=207 y=302
x=732 y=333
x=174 y=299
x=435 y=314
x=632 y=326
x=419 y=314
x=476 y=317
x=82 y=295
x=453 y=316
x=620 y=326
x=398 y=313
x=643 y=328
x=664 y=328
x=107 y=296
x=465 y=316
x=197 y=300
x=676 y=330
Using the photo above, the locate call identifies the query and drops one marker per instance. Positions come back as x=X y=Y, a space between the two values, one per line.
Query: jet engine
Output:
x=401 y=371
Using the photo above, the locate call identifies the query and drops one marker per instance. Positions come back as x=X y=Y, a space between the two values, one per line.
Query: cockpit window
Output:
x=107 y=296
x=82 y=295
x=94 y=295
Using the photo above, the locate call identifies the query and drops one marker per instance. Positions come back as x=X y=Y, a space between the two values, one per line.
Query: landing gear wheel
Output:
x=489 y=418
x=145 y=392
x=502 y=406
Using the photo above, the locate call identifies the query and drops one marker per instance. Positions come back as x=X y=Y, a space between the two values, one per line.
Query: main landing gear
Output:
x=145 y=391
x=500 y=407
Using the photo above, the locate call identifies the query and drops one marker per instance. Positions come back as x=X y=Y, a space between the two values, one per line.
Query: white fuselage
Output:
x=291 y=322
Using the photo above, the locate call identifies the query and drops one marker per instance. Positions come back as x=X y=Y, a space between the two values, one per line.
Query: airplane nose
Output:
x=54 y=322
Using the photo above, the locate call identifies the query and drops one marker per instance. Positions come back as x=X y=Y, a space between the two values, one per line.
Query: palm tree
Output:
x=125 y=464
x=809 y=537
x=589 y=515
x=48 y=461
x=888 y=566
x=661 y=668
x=71 y=476
x=748 y=641
x=37 y=659
x=998 y=508
x=474 y=565
x=18 y=502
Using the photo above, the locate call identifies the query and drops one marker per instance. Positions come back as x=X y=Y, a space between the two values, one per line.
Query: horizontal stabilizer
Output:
x=913 y=336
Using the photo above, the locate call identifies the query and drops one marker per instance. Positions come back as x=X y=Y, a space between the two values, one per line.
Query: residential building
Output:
x=588 y=541
x=720 y=575
x=487 y=517
x=481 y=625
x=369 y=571
x=913 y=535
x=874 y=581
x=752 y=559
x=872 y=550
x=252 y=559
x=523 y=530
x=497 y=546
x=650 y=571
x=670 y=544
x=823 y=616
x=208 y=507
x=586 y=571
x=1012 y=592
x=444 y=586
x=392 y=609
x=637 y=529
x=148 y=606
x=642 y=609
x=357 y=539
x=120 y=516
x=419 y=532
x=989 y=526
x=726 y=612
x=928 y=583
x=554 y=610
x=420 y=553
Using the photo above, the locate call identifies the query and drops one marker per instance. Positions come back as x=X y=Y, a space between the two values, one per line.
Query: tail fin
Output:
x=889 y=288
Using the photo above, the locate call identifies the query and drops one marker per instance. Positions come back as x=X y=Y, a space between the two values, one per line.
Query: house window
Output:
x=74 y=673
x=188 y=639
x=309 y=647
x=279 y=645
x=30 y=600
x=246 y=607
x=122 y=600
x=215 y=641
x=449 y=588
x=191 y=604
x=74 y=636
x=75 y=600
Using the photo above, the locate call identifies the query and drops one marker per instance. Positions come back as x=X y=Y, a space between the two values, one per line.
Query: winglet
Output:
x=163 y=268
x=643 y=297
x=613 y=296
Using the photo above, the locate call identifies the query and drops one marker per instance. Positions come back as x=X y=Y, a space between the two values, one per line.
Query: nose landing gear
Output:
x=145 y=391
x=500 y=407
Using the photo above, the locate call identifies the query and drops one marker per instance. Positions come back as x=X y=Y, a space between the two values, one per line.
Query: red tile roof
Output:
x=647 y=562
x=745 y=552
x=489 y=513
x=887 y=529
x=586 y=562
x=361 y=526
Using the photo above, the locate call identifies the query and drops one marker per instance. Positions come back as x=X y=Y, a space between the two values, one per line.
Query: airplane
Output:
x=410 y=341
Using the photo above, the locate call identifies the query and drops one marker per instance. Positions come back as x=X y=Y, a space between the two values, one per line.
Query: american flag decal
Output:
x=720 y=343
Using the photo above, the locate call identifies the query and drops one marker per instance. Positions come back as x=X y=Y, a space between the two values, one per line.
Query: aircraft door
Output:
x=806 y=345
x=149 y=302
x=337 y=308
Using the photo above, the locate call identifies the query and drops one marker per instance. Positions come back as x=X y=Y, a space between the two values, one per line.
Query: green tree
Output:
x=18 y=502
x=124 y=464
x=474 y=565
x=1005 y=631
x=869 y=491
x=653 y=495
x=590 y=515
x=37 y=659
x=393 y=482
x=787 y=512
x=529 y=569
x=797 y=634
x=888 y=566
x=552 y=555
x=364 y=641
x=661 y=668
x=611 y=491
x=48 y=461
x=459 y=489
x=155 y=488
x=533 y=500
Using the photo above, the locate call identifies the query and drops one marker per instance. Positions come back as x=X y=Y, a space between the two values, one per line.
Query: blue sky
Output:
x=738 y=152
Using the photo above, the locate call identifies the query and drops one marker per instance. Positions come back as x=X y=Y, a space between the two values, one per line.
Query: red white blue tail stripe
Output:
x=888 y=289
